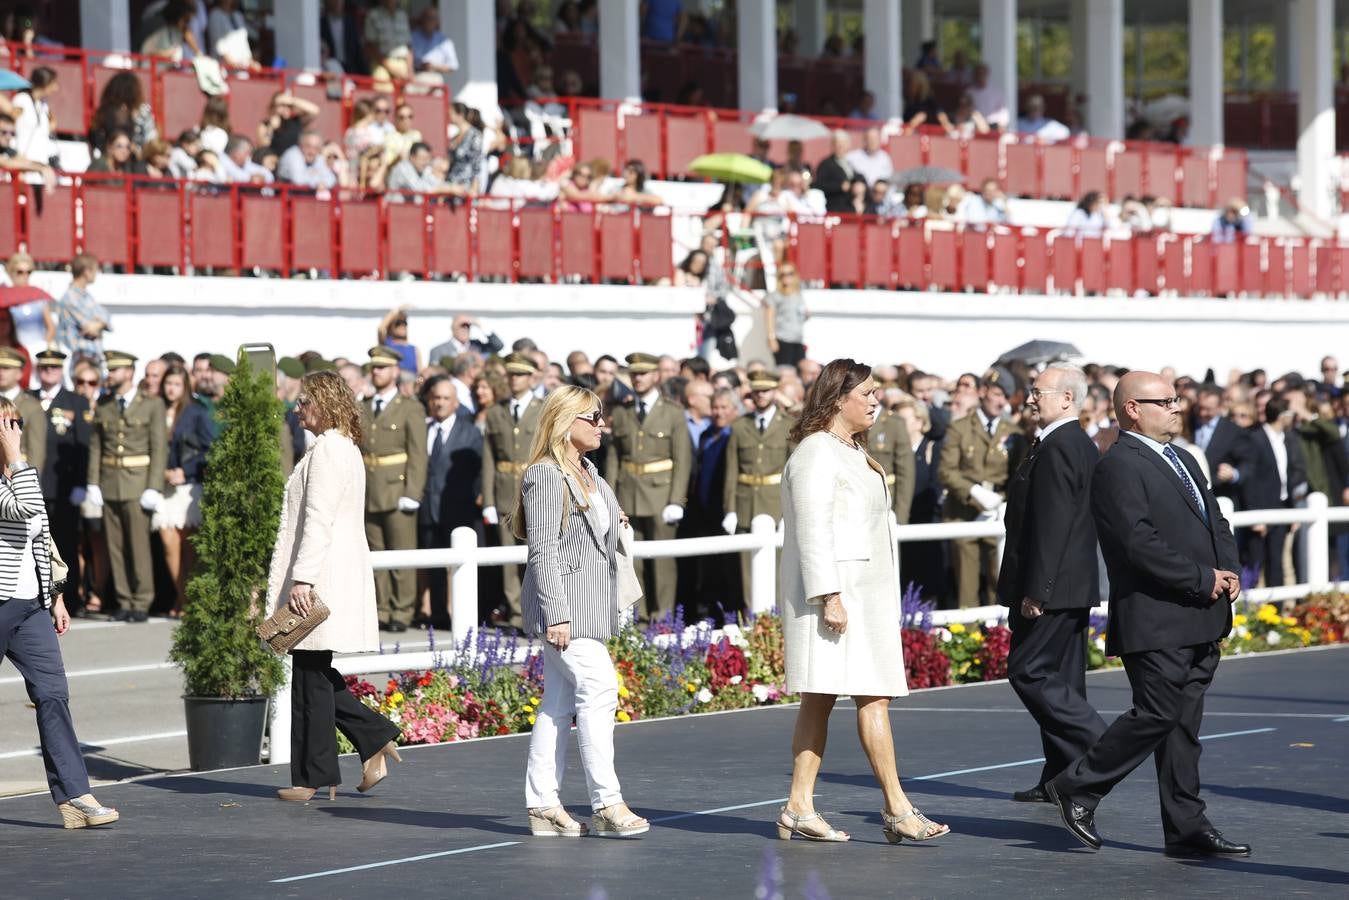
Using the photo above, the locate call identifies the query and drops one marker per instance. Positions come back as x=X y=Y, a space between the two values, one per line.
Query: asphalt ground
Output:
x=449 y=821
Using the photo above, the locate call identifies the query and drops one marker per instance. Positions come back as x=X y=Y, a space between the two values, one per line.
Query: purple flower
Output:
x=914 y=611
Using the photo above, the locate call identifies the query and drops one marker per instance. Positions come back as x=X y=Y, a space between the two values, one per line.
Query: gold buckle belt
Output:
x=512 y=468
x=660 y=465
x=393 y=459
x=126 y=462
x=890 y=480
x=760 y=480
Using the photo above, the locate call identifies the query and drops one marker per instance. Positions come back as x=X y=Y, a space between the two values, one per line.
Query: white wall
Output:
x=945 y=333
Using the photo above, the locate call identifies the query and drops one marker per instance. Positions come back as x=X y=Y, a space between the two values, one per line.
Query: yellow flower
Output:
x=964 y=667
x=977 y=636
x=623 y=716
x=624 y=692
x=531 y=720
x=692 y=686
x=619 y=676
x=534 y=701
x=396 y=698
x=1239 y=620
x=1289 y=620
x=956 y=628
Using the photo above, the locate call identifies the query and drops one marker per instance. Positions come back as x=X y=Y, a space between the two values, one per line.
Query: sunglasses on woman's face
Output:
x=16 y=422
x=90 y=382
x=594 y=419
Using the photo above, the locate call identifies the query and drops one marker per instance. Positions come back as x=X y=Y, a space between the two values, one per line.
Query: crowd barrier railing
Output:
x=464 y=557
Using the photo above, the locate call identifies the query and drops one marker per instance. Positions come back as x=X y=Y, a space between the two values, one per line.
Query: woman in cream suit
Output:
x=568 y=516
x=841 y=593
x=321 y=547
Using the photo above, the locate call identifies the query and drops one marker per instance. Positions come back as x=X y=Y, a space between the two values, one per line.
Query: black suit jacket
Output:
x=1159 y=551
x=69 y=427
x=352 y=52
x=1050 y=555
x=1230 y=444
x=1260 y=485
x=832 y=178
x=454 y=477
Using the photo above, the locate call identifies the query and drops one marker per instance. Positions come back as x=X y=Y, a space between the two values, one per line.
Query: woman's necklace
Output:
x=847 y=442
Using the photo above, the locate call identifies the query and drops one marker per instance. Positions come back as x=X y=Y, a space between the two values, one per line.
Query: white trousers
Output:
x=579 y=681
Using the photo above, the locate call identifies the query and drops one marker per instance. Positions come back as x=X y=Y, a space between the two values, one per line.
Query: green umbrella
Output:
x=733 y=167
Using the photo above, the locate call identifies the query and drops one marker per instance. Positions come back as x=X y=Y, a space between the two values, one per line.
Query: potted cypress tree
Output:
x=229 y=673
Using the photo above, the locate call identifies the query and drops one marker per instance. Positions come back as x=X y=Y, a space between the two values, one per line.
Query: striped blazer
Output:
x=572 y=573
x=21 y=500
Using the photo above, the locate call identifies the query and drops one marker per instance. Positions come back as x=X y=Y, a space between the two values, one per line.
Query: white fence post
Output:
x=278 y=748
x=763 y=564
x=464 y=585
x=1228 y=507
x=1317 y=543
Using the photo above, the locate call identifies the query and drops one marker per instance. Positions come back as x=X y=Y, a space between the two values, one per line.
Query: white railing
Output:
x=464 y=557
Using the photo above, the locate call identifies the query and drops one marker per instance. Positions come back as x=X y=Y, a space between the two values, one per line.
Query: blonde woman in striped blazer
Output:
x=568 y=516
x=32 y=614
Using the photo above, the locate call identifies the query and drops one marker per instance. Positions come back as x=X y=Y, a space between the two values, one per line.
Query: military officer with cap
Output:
x=34 y=439
x=69 y=423
x=393 y=443
x=648 y=462
x=127 y=450
x=507 y=440
x=756 y=454
x=890 y=446
x=980 y=452
x=289 y=372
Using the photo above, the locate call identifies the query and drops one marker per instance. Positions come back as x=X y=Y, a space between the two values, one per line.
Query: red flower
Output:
x=924 y=664
x=992 y=653
x=725 y=662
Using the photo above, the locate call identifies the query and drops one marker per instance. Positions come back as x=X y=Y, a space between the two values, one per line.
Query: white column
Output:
x=1206 y=72
x=620 y=61
x=1315 y=29
x=105 y=25
x=997 y=30
x=297 y=33
x=1105 y=68
x=919 y=24
x=471 y=24
x=881 y=24
x=756 y=39
x=808 y=18
x=1286 y=45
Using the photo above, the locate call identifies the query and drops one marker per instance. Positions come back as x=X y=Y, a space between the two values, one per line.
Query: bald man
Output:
x=1172 y=563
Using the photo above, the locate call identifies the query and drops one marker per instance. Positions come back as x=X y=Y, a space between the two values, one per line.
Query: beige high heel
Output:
x=375 y=769
x=554 y=822
x=304 y=794
x=787 y=829
x=607 y=822
x=891 y=827
x=78 y=813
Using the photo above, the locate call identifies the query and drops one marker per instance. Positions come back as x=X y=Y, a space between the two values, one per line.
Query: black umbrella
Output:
x=929 y=175
x=1036 y=352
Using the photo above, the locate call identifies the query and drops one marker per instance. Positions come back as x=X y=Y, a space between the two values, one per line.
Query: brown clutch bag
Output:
x=285 y=628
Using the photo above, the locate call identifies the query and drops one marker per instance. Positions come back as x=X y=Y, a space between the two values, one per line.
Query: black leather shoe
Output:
x=1034 y=795
x=1079 y=820
x=1208 y=843
x=122 y=615
x=138 y=617
x=396 y=628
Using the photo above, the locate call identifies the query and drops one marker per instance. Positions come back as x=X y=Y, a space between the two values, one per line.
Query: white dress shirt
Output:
x=1276 y=440
x=1054 y=426
x=520 y=405
x=763 y=419
x=434 y=428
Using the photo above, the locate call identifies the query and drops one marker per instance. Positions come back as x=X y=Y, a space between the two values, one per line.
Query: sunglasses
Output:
x=1159 y=401
x=87 y=383
x=594 y=418
x=16 y=422
x=23 y=272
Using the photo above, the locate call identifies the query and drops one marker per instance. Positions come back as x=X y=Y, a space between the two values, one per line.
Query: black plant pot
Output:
x=223 y=733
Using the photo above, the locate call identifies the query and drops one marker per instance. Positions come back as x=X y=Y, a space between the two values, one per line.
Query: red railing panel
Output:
x=733 y=136
x=406 y=248
x=493 y=231
x=536 y=242
x=50 y=224
x=578 y=245
x=1252 y=277
x=159 y=225
x=1201 y=266
x=1128 y=167
x=1035 y=263
x=1023 y=166
x=657 y=237
x=430 y=116
x=329 y=120
x=1276 y=270
x=107 y=222
x=1226 y=277
x=596 y=134
x=1196 y=190
x=103 y=74
x=617 y=246
x=1173 y=266
x=311 y=233
x=451 y=244
x=68 y=103
x=1006 y=260
x=1058 y=172
x=845 y=263
x=879 y=246
x=974 y=260
x=685 y=140
x=1093 y=172
x=809 y=247
x=361 y=240
x=1063 y=262
x=1327 y=271
x=641 y=140
x=214 y=225
x=262 y=231
x=1301 y=269
x=1159 y=167
x=9 y=217
x=1091 y=265
x=942 y=256
x=1120 y=265
x=984 y=161
x=181 y=102
x=945 y=153
x=913 y=257
x=1230 y=179
x=906 y=152
x=1147 y=264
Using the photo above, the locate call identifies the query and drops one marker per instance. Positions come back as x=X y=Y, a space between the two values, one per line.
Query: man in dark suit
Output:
x=1172 y=562
x=1049 y=574
x=1275 y=478
x=340 y=31
x=834 y=176
x=1225 y=443
x=453 y=482
x=69 y=423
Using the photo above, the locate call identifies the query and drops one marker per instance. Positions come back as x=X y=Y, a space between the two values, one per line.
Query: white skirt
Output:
x=181 y=507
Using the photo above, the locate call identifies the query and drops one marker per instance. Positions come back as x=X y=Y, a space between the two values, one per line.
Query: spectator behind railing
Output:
x=835 y=175
x=157 y=156
x=968 y=121
x=577 y=189
x=465 y=148
x=633 y=192
x=432 y=52
x=417 y=173
x=12 y=161
x=859 y=199
x=174 y=40
x=398 y=142
x=119 y=156
x=988 y=99
x=386 y=27
x=396 y=66
x=871 y=160
x=914 y=206
x=33 y=119
x=1088 y=218
x=122 y=106
x=183 y=158
x=948 y=204
x=920 y=104
x=795 y=159
x=215 y=124
x=1233 y=223
x=287 y=116
x=237 y=164
x=521 y=179
x=304 y=165
x=883 y=198
x=338 y=29
x=225 y=23
x=988 y=207
x=1038 y=125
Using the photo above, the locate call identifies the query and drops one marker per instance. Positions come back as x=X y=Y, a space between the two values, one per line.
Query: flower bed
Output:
x=671 y=669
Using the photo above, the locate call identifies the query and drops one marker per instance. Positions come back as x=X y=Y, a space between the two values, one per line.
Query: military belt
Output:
x=378 y=462
x=760 y=480
x=126 y=462
x=512 y=468
x=660 y=465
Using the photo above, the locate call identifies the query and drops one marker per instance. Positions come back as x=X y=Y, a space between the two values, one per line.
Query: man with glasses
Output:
x=12 y=161
x=1330 y=377
x=1049 y=573
x=400 y=141
x=468 y=334
x=66 y=466
x=1173 y=577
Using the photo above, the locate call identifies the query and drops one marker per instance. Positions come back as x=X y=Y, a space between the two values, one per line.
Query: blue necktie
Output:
x=1171 y=457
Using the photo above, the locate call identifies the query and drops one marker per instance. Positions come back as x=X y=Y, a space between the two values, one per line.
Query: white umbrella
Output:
x=789 y=127
x=1165 y=110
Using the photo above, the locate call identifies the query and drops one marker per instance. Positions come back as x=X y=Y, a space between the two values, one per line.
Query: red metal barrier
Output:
x=215 y=229
x=656 y=236
x=262 y=231
x=312 y=245
x=159 y=228
x=408 y=246
x=360 y=238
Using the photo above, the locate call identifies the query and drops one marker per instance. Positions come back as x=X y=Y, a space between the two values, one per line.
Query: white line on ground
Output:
x=1116 y=712
x=110 y=670
x=99 y=745
x=701 y=812
x=1341 y=719
x=84 y=625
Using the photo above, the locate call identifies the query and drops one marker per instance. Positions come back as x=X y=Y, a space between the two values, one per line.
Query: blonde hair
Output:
x=553 y=438
x=8 y=410
x=17 y=259
x=336 y=404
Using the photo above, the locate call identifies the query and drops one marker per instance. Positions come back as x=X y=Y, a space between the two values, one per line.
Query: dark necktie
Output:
x=641 y=410
x=992 y=426
x=1172 y=458
x=515 y=411
x=763 y=424
x=379 y=406
x=121 y=401
x=440 y=441
x=1034 y=446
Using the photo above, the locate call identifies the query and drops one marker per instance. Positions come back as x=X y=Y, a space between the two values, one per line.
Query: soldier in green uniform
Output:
x=507 y=440
x=891 y=447
x=34 y=446
x=393 y=443
x=981 y=450
x=648 y=463
x=756 y=454
x=127 y=450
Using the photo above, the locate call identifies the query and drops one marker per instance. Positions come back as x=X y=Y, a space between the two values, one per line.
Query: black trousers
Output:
x=65 y=527
x=1266 y=553
x=320 y=706
x=789 y=353
x=1168 y=697
x=1047 y=667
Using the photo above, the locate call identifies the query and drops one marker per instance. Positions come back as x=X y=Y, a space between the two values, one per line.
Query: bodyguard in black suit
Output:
x=1172 y=563
x=1265 y=486
x=453 y=479
x=64 y=468
x=1225 y=443
x=1049 y=574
